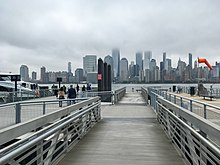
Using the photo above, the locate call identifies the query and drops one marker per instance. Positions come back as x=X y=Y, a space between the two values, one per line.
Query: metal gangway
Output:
x=128 y=130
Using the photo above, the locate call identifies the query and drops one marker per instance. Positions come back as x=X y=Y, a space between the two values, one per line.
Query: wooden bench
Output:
x=207 y=96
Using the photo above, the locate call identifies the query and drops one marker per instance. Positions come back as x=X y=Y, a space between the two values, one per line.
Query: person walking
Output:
x=71 y=94
x=83 y=91
x=61 y=95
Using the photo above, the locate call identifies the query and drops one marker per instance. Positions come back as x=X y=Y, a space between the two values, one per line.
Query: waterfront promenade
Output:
x=127 y=134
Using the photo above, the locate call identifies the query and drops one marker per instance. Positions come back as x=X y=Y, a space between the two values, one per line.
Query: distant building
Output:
x=123 y=70
x=52 y=77
x=34 y=76
x=139 y=63
x=89 y=64
x=43 y=74
x=79 y=75
x=69 y=67
x=190 y=60
x=116 y=62
x=24 y=72
x=164 y=60
x=63 y=75
x=92 y=77
x=146 y=61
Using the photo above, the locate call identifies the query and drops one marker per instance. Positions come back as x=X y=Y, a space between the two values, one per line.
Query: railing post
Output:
x=17 y=113
x=205 y=115
x=181 y=101
x=174 y=99
x=190 y=105
x=44 y=108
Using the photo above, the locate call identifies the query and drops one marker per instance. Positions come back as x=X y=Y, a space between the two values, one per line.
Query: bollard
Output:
x=190 y=105
x=205 y=115
x=44 y=108
x=17 y=113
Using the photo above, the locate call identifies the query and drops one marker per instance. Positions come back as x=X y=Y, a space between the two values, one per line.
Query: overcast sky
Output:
x=52 y=33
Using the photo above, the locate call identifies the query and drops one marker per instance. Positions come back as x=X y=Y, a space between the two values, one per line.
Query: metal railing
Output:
x=14 y=113
x=196 y=138
x=118 y=94
x=205 y=110
x=106 y=96
x=59 y=132
x=8 y=97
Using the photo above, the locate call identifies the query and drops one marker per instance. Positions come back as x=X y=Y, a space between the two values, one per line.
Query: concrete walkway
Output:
x=127 y=135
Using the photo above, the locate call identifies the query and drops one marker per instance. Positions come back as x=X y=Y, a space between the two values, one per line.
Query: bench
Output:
x=207 y=96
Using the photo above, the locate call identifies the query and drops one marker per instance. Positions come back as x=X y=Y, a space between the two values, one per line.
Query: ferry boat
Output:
x=7 y=89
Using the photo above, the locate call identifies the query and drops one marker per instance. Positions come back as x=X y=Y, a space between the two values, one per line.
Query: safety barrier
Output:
x=194 y=136
x=118 y=94
x=45 y=139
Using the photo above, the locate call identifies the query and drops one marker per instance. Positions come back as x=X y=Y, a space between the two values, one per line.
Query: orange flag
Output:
x=203 y=60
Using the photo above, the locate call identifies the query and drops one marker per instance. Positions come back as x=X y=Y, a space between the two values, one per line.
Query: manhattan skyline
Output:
x=53 y=33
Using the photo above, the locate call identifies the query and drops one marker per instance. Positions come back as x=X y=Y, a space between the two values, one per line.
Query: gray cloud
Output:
x=50 y=33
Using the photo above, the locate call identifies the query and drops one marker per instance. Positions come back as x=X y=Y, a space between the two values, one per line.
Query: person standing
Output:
x=71 y=94
x=77 y=88
x=61 y=95
x=83 y=91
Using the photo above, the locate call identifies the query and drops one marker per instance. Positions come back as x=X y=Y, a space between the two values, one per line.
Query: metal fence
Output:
x=59 y=132
x=194 y=136
x=14 y=113
x=118 y=94
x=8 y=97
x=205 y=110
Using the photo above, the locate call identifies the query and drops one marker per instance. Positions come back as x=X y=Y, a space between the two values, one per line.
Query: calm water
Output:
x=137 y=86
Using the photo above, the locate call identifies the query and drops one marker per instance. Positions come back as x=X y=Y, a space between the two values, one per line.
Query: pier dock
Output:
x=127 y=134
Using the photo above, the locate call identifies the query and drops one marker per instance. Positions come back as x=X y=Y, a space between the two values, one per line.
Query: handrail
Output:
x=14 y=131
x=210 y=129
x=55 y=139
x=118 y=94
x=195 y=147
x=209 y=111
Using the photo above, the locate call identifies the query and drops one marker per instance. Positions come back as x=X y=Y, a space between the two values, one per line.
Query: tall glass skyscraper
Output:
x=139 y=62
x=69 y=67
x=116 y=62
x=190 y=60
x=124 y=69
x=89 y=64
x=147 y=59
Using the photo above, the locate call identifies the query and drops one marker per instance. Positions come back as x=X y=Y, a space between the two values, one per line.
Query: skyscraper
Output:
x=139 y=62
x=190 y=60
x=89 y=64
x=69 y=67
x=79 y=75
x=164 y=60
x=34 y=76
x=24 y=72
x=116 y=62
x=124 y=69
x=42 y=74
x=146 y=61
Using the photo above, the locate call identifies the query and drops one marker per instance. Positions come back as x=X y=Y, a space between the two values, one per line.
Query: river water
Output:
x=138 y=86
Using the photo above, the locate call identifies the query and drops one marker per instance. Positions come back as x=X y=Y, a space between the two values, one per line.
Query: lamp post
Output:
x=16 y=78
x=59 y=79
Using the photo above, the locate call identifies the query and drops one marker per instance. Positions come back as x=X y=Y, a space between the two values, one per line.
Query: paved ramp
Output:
x=127 y=135
x=133 y=98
